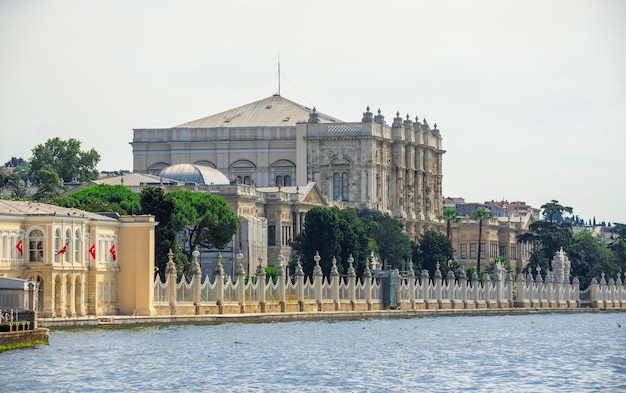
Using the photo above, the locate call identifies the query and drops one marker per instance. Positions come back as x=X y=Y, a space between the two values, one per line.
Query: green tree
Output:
x=480 y=215
x=14 y=162
x=49 y=184
x=449 y=215
x=103 y=198
x=590 y=258
x=209 y=220
x=65 y=159
x=321 y=233
x=553 y=210
x=354 y=241
x=435 y=248
x=155 y=201
x=390 y=241
x=547 y=238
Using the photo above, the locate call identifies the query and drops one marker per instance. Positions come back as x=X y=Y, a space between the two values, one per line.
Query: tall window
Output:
x=287 y=181
x=77 y=247
x=67 y=244
x=271 y=235
x=463 y=250
x=472 y=250
x=340 y=186
x=279 y=181
x=35 y=246
x=58 y=243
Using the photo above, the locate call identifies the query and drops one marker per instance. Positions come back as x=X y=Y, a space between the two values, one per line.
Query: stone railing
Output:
x=379 y=290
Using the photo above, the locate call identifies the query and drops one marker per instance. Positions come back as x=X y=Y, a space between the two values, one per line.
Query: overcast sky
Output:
x=530 y=96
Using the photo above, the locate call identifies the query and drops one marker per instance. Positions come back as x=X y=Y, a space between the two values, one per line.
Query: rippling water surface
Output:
x=535 y=353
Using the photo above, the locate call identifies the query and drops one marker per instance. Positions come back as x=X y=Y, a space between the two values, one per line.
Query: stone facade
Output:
x=275 y=142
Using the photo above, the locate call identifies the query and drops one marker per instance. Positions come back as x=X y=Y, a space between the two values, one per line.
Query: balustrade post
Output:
x=220 y=277
x=475 y=283
x=451 y=282
x=620 y=291
x=425 y=278
x=540 y=285
x=412 y=286
x=318 y=281
x=487 y=289
x=170 y=273
x=556 y=284
x=352 y=283
x=463 y=282
x=196 y=281
x=603 y=290
x=498 y=284
x=334 y=282
x=438 y=283
x=548 y=286
x=241 y=283
x=367 y=276
x=509 y=287
x=593 y=293
x=282 y=291
x=260 y=279
x=611 y=292
x=520 y=284
x=300 y=285
x=576 y=289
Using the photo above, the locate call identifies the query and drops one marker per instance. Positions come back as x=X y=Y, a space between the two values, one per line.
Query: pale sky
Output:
x=530 y=96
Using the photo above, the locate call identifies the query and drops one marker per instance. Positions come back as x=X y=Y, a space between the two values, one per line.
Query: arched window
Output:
x=239 y=180
x=247 y=180
x=77 y=248
x=58 y=243
x=36 y=245
x=287 y=181
x=279 y=181
x=340 y=186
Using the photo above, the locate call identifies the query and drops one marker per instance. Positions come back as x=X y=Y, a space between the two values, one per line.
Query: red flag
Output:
x=112 y=251
x=19 y=247
x=64 y=249
x=92 y=251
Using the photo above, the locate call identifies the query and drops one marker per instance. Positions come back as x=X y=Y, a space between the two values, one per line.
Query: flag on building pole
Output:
x=92 y=251
x=112 y=251
x=63 y=250
x=19 y=247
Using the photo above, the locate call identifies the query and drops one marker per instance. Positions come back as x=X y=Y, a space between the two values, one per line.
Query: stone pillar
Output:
x=196 y=280
x=620 y=291
x=451 y=282
x=281 y=277
x=557 y=285
x=31 y=297
x=548 y=285
x=438 y=283
x=241 y=283
x=603 y=290
x=260 y=279
x=300 y=285
x=612 y=301
x=487 y=287
x=576 y=289
x=219 y=276
x=520 y=285
x=539 y=284
x=425 y=278
x=593 y=294
x=71 y=301
x=170 y=277
x=463 y=283
x=509 y=287
x=367 y=276
x=475 y=283
x=334 y=281
x=498 y=284
x=318 y=281
x=411 y=286
x=352 y=283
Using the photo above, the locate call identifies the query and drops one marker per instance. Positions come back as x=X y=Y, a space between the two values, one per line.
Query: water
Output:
x=538 y=353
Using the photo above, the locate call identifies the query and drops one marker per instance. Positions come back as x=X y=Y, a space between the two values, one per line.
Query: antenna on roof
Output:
x=279 y=73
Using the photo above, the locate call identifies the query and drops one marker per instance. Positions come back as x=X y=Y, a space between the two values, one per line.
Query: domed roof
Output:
x=192 y=173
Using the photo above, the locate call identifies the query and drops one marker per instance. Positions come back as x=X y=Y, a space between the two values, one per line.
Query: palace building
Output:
x=275 y=144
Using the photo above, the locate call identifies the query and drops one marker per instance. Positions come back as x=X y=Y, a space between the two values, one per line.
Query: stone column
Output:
x=412 y=286
x=475 y=283
x=425 y=278
x=463 y=282
x=196 y=280
x=576 y=289
x=170 y=277
x=520 y=285
x=281 y=277
x=300 y=285
x=451 y=282
x=260 y=279
x=352 y=283
x=219 y=276
x=367 y=276
x=334 y=281
x=241 y=283
x=487 y=287
x=509 y=295
x=593 y=294
x=539 y=284
x=498 y=284
x=318 y=281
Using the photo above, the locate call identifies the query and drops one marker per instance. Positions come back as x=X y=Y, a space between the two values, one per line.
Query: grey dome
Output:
x=191 y=173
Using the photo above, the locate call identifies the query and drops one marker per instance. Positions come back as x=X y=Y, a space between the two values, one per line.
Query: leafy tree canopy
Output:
x=65 y=159
x=392 y=244
x=103 y=198
x=432 y=249
x=590 y=257
x=553 y=211
x=321 y=233
x=49 y=183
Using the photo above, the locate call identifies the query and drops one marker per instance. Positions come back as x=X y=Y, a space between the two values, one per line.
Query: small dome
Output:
x=191 y=173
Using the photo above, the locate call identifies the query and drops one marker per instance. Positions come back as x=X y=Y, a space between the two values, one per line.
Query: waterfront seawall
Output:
x=131 y=321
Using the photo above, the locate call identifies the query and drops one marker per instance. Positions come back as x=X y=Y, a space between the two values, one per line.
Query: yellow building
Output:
x=84 y=263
